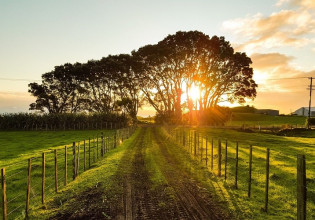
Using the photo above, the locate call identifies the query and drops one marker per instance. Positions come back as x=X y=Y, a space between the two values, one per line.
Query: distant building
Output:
x=267 y=112
x=303 y=111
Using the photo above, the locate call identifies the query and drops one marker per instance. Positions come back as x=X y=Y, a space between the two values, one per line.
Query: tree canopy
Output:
x=162 y=75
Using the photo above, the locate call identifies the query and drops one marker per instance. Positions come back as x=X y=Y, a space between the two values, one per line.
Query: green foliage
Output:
x=62 y=121
x=243 y=109
x=239 y=119
x=310 y=122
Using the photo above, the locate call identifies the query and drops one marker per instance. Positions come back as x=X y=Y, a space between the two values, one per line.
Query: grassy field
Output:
x=238 y=119
x=283 y=154
x=157 y=165
x=155 y=172
x=92 y=189
x=18 y=147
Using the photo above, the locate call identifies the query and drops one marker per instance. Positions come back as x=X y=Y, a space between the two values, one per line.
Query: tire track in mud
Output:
x=140 y=201
x=191 y=202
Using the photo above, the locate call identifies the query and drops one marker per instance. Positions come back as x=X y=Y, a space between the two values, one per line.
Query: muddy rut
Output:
x=141 y=202
x=134 y=195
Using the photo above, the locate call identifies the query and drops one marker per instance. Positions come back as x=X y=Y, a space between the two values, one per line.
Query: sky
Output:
x=278 y=35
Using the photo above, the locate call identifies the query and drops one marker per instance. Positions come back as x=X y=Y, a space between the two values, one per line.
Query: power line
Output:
x=21 y=80
x=305 y=77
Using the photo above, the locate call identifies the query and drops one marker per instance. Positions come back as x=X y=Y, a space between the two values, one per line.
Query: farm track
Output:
x=137 y=198
x=142 y=203
x=139 y=201
x=192 y=202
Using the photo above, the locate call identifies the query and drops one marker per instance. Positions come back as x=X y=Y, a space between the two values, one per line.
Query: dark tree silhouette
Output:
x=159 y=73
x=192 y=58
x=60 y=91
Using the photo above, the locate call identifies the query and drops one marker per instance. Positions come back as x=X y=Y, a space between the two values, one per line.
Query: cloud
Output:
x=274 y=72
x=284 y=28
x=11 y=102
x=309 y=4
x=280 y=84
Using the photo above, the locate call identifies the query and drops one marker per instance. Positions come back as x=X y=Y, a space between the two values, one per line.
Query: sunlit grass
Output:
x=18 y=147
x=282 y=191
x=251 y=119
x=102 y=175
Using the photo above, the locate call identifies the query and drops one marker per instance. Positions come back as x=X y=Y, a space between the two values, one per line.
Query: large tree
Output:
x=162 y=73
x=192 y=58
x=60 y=91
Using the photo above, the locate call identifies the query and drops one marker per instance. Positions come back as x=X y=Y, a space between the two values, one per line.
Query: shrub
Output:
x=310 y=122
x=65 y=121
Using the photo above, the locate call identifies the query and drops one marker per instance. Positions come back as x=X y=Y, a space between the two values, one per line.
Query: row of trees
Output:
x=106 y=86
x=162 y=75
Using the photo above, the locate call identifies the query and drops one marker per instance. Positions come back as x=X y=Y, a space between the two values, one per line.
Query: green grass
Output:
x=238 y=119
x=20 y=146
x=282 y=191
x=102 y=177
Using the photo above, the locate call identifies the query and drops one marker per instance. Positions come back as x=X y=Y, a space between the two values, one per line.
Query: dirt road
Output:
x=153 y=184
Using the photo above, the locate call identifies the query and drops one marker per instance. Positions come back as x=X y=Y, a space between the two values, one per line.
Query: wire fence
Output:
x=27 y=184
x=273 y=179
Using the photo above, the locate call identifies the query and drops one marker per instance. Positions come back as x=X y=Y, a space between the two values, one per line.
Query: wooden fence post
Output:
x=115 y=141
x=189 y=142
x=267 y=180
x=97 y=146
x=66 y=166
x=198 y=143
x=78 y=160
x=43 y=178
x=206 y=151
x=195 y=143
x=74 y=160
x=236 y=166
x=93 y=149
x=301 y=187
x=84 y=157
x=89 y=153
x=28 y=191
x=212 y=154
x=102 y=144
x=4 y=194
x=56 y=172
x=226 y=157
x=201 y=150
x=250 y=170
x=219 y=158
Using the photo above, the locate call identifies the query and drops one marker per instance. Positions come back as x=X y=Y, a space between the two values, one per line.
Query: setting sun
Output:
x=194 y=92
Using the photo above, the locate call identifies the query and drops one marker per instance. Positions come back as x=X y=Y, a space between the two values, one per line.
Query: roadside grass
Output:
x=282 y=190
x=95 y=188
x=18 y=147
x=238 y=119
x=206 y=182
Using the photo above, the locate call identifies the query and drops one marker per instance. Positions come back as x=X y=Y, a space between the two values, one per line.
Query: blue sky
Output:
x=38 y=35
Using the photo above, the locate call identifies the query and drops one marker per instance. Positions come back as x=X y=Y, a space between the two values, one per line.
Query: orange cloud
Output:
x=283 y=28
x=280 y=85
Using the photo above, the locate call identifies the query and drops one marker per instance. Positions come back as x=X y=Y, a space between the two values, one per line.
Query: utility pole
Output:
x=310 y=101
